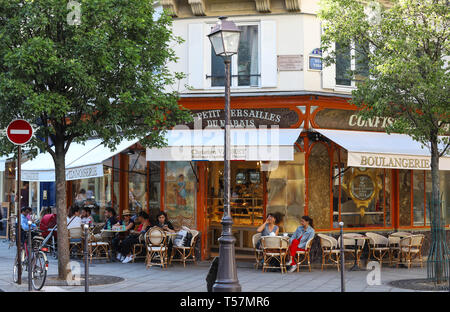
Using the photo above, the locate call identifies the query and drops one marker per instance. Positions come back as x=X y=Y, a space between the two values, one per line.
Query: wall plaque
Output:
x=290 y=62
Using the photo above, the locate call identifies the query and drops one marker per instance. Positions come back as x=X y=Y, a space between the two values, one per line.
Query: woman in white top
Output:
x=74 y=220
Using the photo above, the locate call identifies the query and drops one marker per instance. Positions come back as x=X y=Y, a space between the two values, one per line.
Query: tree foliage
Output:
x=407 y=45
x=105 y=76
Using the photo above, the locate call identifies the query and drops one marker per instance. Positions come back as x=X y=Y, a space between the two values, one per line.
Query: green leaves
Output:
x=105 y=74
x=408 y=40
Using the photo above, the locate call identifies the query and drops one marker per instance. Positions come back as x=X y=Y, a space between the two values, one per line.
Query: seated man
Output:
x=128 y=221
x=24 y=224
x=86 y=217
x=133 y=238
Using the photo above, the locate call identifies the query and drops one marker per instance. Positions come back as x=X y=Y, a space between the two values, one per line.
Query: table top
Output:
x=400 y=234
x=113 y=231
x=355 y=236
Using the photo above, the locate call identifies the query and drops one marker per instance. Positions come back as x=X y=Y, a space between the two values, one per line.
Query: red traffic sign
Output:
x=19 y=132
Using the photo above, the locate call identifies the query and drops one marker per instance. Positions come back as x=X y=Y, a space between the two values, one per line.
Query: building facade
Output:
x=299 y=148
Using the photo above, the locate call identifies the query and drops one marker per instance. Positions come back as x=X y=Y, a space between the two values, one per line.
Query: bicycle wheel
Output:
x=39 y=271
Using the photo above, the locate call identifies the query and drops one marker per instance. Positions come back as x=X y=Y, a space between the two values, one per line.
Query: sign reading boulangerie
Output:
x=393 y=161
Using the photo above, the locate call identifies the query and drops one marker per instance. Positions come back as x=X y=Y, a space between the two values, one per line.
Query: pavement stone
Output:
x=192 y=278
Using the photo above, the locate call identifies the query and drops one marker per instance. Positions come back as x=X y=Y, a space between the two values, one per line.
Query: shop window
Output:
x=137 y=182
x=405 y=197
x=154 y=196
x=180 y=192
x=444 y=177
x=363 y=201
x=116 y=183
x=286 y=191
x=244 y=66
x=418 y=198
x=90 y=193
x=246 y=185
x=34 y=203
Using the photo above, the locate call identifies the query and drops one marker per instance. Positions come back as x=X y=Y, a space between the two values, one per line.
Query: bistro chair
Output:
x=394 y=244
x=258 y=251
x=138 y=251
x=185 y=252
x=155 y=240
x=349 y=246
x=302 y=256
x=411 y=248
x=97 y=249
x=274 y=248
x=378 y=247
x=330 y=249
x=75 y=241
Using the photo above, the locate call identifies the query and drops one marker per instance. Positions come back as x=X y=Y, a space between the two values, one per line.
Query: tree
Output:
x=75 y=72
x=405 y=43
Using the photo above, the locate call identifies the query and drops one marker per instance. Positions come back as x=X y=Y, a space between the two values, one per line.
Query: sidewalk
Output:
x=192 y=278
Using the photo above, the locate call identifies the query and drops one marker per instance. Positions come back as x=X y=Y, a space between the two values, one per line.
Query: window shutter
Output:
x=269 y=74
x=328 y=74
x=195 y=56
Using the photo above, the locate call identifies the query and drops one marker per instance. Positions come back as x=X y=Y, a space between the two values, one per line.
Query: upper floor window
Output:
x=244 y=65
x=351 y=63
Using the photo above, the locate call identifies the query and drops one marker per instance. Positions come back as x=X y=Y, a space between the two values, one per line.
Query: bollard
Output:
x=341 y=224
x=86 y=258
x=30 y=257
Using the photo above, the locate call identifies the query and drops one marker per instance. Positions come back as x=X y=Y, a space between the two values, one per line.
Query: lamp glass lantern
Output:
x=225 y=37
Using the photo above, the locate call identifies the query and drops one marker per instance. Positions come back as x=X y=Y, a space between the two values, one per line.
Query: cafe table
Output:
x=356 y=237
x=110 y=237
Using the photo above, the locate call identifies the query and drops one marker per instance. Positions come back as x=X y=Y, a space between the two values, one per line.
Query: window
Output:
x=137 y=182
x=244 y=65
x=351 y=60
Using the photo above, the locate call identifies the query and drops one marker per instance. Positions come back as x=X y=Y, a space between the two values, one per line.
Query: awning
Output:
x=246 y=144
x=382 y=150
x=83 y=161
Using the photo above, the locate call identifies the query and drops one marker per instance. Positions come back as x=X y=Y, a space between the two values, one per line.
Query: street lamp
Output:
x=224 y=38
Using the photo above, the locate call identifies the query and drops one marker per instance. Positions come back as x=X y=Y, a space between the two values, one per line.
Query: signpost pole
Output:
x=19 y=216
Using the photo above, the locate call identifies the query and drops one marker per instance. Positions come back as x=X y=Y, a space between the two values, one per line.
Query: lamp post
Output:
x=224 y=38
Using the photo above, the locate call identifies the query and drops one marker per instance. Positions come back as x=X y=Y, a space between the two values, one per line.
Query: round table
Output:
x=356 y=237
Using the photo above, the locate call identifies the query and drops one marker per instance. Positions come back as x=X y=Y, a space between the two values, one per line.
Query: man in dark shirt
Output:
x=110 y=217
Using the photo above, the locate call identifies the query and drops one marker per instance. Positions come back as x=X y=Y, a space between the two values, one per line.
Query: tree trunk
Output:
x=438 y=249
x=61 y=205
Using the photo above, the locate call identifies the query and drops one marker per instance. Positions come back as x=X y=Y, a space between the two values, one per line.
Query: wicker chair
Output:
x=411 y=248
x=350 y=242
x=97 y=249
x=185 y=252
x=394 y=244
x=274 y=247
x=378 y=247
x=76 y=241
x=330 y=249
x=302 y=256
x=155 y=240
x=258 y=251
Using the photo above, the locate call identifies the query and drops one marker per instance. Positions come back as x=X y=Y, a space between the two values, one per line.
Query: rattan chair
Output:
x=411 y=248
x=378 y=247
x=76 y=241
x=329 y=246
x=155 y=240
x=97 y=249
x=185 y=252
x=258 y=251
x=302 y=256
x=274 y=248
x=350 y=242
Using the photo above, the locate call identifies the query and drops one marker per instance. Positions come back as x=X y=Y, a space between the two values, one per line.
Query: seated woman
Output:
x=127 y=244
x=120 y=237
x=298 y=241
x=268 y=227
x=163 y=222
x=74 y=220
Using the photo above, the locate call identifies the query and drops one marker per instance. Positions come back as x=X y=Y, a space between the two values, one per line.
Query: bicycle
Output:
x=39 y=262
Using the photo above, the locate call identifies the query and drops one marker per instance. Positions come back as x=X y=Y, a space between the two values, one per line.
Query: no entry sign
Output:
x=19 y=132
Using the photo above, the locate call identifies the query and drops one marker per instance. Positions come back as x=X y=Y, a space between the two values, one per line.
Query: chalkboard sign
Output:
x=4 y=214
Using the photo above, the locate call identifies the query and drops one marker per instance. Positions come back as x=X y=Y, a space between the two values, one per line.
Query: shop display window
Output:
x=180 y=192
x=137 y=182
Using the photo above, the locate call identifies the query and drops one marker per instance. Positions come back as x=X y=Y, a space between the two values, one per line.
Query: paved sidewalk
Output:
x=192 y=278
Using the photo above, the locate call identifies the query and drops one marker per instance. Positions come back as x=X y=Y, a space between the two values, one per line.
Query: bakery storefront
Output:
x=291 y=155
